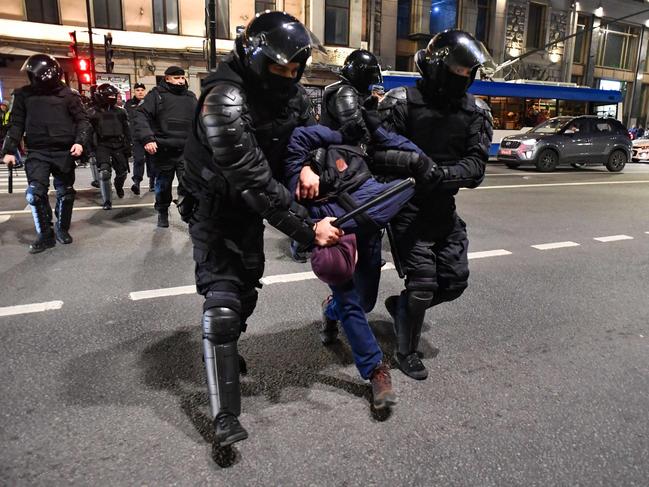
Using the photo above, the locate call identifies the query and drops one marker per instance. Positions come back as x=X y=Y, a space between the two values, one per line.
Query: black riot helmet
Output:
x=275 y=37
x=43 y=71
x=450 y=62
x=361 y=69
x=106 y=95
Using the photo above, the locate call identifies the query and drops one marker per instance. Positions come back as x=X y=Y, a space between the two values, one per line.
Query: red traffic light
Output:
x=86 y=79
x=83 y=65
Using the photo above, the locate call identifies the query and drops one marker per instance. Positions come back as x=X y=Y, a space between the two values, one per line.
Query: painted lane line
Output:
x=4 y=218
x=555 y=245
x=161 y=293
x=30 y=308
x=83 y=208
x=548 y=185
x=613 y=238
x=488 y=253
x=647 y=233
x=276 y=279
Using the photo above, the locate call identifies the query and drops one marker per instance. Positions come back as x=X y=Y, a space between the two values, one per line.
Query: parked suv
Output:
x=569 y=140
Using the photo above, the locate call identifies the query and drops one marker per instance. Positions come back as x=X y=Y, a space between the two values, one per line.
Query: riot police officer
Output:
x=55 y=126
x=162 y=123
x=454 y=129
x=112 y=141
x=234 y=157
x=140 y=158
x=342 y=101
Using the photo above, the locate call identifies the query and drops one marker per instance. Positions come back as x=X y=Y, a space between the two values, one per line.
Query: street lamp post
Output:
x=91 y=46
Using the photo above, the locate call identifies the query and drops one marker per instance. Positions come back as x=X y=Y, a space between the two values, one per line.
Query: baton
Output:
x=396 y=189
x=394 y=250
x=10 y=180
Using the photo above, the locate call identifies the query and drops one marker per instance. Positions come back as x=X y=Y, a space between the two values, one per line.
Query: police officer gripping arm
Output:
x=55 y=126
x=162 y=123
x=454 y=130
x=246 y=113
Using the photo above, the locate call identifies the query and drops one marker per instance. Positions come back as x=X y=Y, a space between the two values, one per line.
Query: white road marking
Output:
x=548 y=185
x=555 y=245
x=488 y=253
x=613 y=238
x=30 y=308
x=161 y=293
x=4 y=218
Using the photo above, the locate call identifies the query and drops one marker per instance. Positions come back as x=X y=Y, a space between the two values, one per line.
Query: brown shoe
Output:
x=382 y=393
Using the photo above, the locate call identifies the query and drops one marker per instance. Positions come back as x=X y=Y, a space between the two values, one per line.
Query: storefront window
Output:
x=572 y=108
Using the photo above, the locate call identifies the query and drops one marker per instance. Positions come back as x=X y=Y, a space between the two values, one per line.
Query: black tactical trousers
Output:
x=40 y=164
x=433 y=252
x=109 y=158
x=167 y=164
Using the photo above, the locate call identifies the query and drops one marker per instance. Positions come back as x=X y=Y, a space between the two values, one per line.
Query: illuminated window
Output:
x=165 y=16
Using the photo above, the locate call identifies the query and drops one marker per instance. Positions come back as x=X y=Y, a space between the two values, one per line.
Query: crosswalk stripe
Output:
x=30 y=308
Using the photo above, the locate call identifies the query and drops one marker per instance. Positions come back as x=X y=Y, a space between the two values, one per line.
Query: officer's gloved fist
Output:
x=372 y=119
x=187 y=205
x=352 y=133
x=426 y=172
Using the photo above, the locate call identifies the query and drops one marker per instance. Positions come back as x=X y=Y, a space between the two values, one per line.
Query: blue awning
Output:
x=521 y=90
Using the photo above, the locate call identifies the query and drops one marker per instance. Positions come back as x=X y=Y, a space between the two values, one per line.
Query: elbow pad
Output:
x=293 y=222
x=394 y=162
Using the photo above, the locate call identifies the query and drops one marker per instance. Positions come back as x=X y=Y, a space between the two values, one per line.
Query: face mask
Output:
x=282 y=88
x=454 y=85
x=177 y=89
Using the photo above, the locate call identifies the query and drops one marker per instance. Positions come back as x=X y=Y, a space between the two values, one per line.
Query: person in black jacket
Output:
x=234 y=158
x=454 y=129
x=140 y=158
x=55 y=126
x=112 y=141
x=162 y=123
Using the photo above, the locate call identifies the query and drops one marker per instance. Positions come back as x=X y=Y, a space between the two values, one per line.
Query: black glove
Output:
x=426 y=172
x=352 y=133
x=372 y=119
x=187 y=205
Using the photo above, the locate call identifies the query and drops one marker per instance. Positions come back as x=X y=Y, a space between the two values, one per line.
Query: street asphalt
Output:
x=539 y=373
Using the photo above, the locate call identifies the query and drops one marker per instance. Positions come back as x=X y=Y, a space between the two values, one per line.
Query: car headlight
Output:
x=529 y=142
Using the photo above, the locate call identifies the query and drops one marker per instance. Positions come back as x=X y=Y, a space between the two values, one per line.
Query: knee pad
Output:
x=221 y=325
x=104 y=174
x=421 y=282
x=36 y=194
x=66 y=193
x=449 y=294
x=419 y=300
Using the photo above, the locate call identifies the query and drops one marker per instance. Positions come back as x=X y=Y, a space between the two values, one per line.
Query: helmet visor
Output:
x=469 y=54
x=287 y=41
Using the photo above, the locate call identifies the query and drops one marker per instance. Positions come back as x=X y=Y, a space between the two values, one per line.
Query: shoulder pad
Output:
x=223 y=119
x=347 y=90
x=483 y=108
x=394 y=97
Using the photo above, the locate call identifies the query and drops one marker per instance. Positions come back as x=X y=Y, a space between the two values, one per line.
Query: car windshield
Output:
x=551 y=126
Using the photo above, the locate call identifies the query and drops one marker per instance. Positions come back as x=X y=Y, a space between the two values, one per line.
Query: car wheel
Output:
x=547 y=160
x=512 y=165
x=616 y=161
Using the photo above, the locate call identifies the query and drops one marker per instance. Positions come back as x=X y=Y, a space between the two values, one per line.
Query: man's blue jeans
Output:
x=352 y=300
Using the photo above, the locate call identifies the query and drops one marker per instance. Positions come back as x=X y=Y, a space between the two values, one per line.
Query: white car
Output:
x=640 y=150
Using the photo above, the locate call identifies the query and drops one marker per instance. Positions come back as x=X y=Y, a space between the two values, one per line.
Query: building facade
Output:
x=150 y=35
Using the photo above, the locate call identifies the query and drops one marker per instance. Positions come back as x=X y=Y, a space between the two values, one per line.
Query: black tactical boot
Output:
x=135 y=189
x=408 y=311
x=120 y=191
x=43 y=242
x=63 y=212
x=163 y=218
x=411 y=365
x=328 y=327
x=228 y=429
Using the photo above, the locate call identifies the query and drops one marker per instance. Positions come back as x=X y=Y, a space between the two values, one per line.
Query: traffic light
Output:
x=83 y=71
x=108 y=50
x=74 y=50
